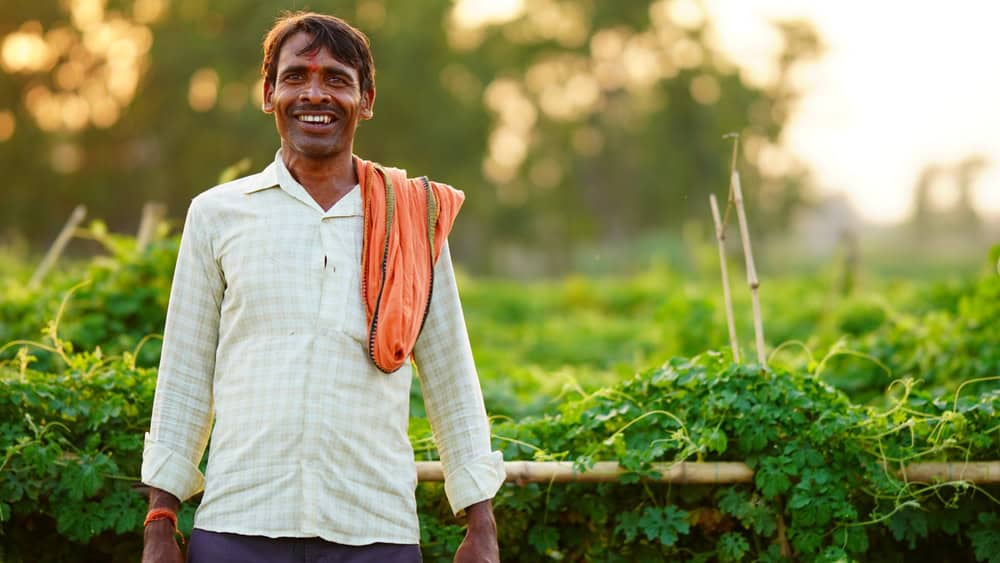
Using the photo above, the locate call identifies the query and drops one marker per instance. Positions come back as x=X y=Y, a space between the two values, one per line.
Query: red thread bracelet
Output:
x=163 y=514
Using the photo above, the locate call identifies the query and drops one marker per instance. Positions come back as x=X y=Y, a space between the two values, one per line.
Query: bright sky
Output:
x=902 y=84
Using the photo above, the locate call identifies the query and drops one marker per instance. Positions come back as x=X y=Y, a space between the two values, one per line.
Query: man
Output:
x=275 y=330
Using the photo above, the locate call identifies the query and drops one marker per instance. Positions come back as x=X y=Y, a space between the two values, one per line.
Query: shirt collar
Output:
x=276 y=175
x=266 y=178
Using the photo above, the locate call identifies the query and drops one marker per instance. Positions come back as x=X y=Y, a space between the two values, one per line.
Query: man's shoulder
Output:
x=227 y=191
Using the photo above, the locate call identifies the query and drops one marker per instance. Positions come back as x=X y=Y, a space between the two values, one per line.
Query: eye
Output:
x=293 y=77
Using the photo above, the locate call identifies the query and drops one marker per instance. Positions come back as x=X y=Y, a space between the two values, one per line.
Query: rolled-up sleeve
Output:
x=182 y=407
x=453 y=398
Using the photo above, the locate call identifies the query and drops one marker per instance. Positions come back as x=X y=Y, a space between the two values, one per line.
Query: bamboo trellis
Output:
x=708 y=473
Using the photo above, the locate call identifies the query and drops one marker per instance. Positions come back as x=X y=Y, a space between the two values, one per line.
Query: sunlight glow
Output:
x=25 y=51
x=7 y=125
x=95 y=64
x=705 y=89
x=149 y=11
x=204 y=89
x=66 y=158
x=87 y=12
x=234 y=96
x=874 y=111
x=686 y=13
x=478 y=13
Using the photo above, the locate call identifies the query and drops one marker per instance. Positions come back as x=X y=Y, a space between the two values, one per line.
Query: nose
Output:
x=313 y=91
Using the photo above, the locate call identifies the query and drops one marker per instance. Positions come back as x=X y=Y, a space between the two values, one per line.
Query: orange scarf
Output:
x=401 y=219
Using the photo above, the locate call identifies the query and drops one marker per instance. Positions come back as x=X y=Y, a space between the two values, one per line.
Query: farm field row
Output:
x=635 y=370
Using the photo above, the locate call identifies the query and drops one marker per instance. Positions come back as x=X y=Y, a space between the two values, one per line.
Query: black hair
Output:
x=345 y=42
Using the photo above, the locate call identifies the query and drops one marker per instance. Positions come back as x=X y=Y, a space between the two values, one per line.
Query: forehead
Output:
x=293 y=46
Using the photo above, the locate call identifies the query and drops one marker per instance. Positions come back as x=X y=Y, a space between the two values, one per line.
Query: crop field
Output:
x=862 y=381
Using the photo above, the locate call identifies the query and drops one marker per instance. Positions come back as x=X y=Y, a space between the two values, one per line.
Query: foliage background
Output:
x=562 y=387
x=574 y=123
x=587 y=136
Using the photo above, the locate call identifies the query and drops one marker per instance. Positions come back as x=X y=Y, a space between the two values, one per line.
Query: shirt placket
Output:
x=329 y=318
x=334 y=283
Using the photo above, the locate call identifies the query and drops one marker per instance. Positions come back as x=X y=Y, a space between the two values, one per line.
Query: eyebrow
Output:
x=303 y=68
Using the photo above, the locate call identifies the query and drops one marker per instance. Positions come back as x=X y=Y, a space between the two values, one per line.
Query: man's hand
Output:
x=480 y=543
x=159 y=545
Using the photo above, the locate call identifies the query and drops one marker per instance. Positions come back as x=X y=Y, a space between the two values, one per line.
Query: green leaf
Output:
x=908 y=525
x=544 y=538
x=664 y=524
x=732 y=546
x=807 y=542
x=82 y=483
x=753 y=438
x=628 y=525
x=716 y=440
x=734 y=502
x=986 y=541
x=833 y=554
x=854 y=539
x=770 y=479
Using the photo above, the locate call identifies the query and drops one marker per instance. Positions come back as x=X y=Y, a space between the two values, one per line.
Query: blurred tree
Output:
x=964 y=213
x=930 y=217
x=565 y=122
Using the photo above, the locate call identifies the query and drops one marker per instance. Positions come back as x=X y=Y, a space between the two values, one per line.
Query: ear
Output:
x=368 y=104
x=268 y=105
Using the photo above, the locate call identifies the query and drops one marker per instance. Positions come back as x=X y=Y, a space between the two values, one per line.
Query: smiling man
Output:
x=300 y=295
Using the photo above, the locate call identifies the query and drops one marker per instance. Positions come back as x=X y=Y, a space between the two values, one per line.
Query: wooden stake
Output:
x=849 y=277
x=152 y=214
x=720 y=237
x=758 y=323
x=707 y=473
x=75 y=218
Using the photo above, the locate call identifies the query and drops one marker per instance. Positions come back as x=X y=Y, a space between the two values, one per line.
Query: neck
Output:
x=328 y=177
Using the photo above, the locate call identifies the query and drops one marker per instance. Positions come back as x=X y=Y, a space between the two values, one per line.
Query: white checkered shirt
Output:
x=266 y=334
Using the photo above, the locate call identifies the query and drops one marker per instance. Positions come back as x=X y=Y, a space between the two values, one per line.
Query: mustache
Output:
x=319 y=108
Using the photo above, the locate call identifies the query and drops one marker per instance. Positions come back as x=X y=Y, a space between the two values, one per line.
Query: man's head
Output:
x=318 y=84
x=348 y=44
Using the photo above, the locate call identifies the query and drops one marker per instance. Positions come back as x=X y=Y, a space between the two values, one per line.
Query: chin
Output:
x=315 y=150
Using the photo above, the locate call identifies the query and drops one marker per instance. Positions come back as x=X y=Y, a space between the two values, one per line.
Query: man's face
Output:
x=316 y=101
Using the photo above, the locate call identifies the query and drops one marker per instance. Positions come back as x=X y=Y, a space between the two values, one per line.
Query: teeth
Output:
x=315 y=118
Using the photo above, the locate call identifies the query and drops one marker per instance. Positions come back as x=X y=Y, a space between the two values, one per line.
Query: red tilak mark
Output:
x=311 y=55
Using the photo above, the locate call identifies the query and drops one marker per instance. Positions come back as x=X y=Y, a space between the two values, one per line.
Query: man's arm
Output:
x=158 y=541
x=182 y=407
x=455 y=410
x=480 y=542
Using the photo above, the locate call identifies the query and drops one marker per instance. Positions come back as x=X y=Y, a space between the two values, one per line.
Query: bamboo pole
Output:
x=152 y=214
x=607 y=471
x=75 y=218
x=973 y=471
x=758 y=323
x=706 y=473
x=720 y=237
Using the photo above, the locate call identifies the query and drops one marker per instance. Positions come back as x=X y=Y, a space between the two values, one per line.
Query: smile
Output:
x=309 y=118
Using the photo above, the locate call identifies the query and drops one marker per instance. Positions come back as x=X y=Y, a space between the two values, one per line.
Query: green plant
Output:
x=825 y=471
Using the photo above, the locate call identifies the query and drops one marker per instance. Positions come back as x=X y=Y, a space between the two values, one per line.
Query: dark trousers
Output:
x=220 y=547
